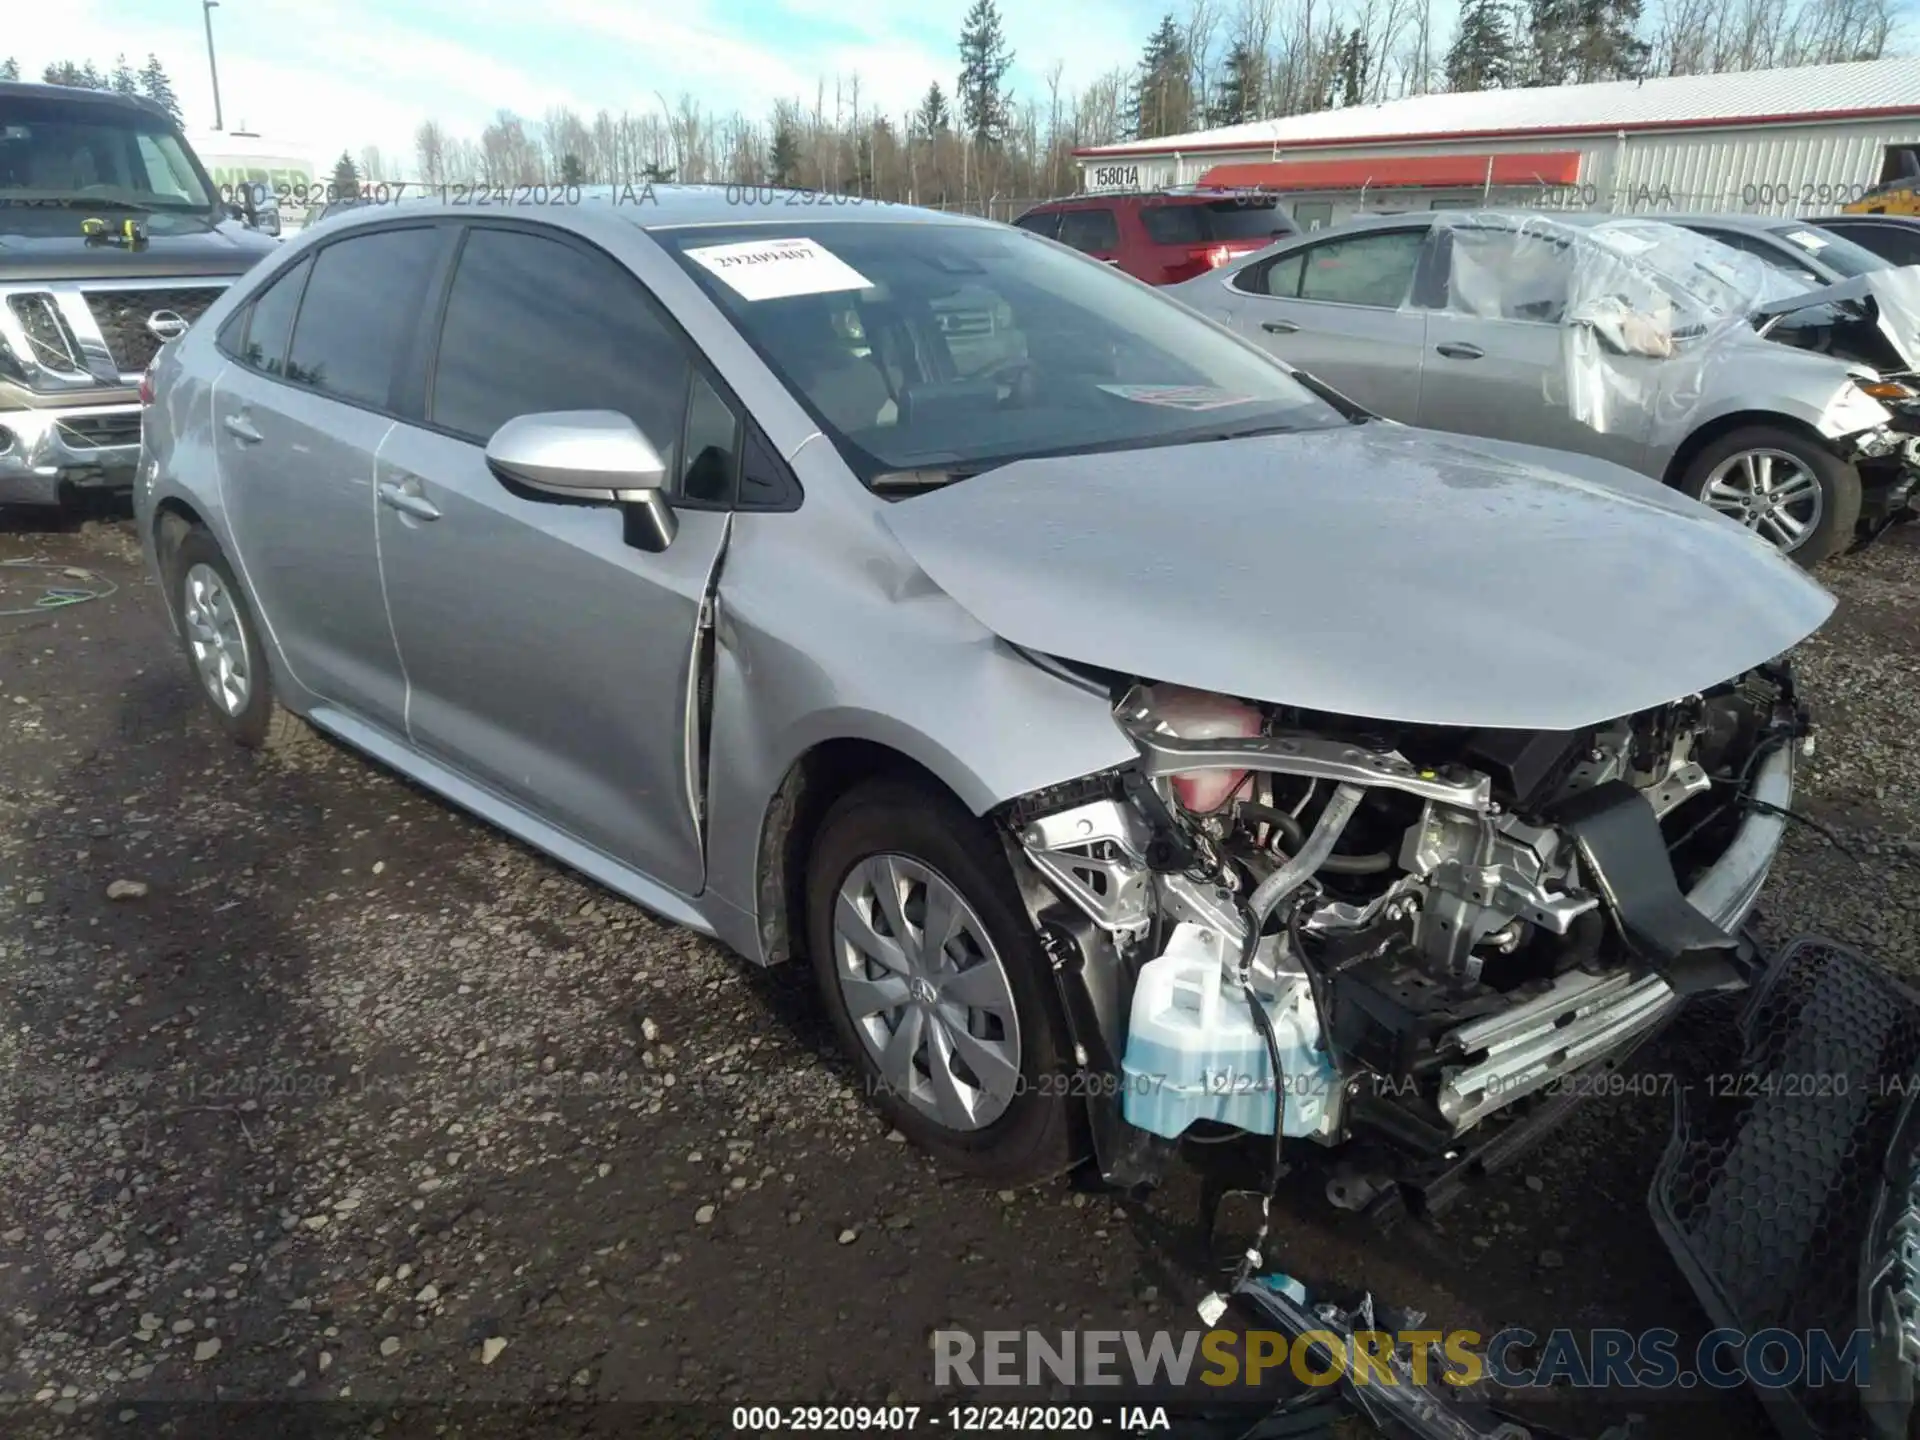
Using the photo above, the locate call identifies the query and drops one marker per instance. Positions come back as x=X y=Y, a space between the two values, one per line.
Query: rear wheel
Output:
x=223 y=649
x=936 y=983
x=1787 y=488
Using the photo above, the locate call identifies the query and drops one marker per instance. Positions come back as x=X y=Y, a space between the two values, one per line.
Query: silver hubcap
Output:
x=1770 y=493
x=927 y=992
x=214 y=636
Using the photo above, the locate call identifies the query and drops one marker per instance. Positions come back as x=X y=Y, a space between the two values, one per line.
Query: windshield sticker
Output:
x=776 y=269
x=1179 y=397
x=1807 y=240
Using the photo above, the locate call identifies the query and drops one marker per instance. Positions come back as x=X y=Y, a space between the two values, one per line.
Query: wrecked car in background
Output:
x=1138 y=741
x=1789 y=409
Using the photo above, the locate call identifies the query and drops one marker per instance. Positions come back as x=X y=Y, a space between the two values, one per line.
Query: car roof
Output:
x=647 y=206
x=1158 y=197
x=20 y=89
x=1864 y=218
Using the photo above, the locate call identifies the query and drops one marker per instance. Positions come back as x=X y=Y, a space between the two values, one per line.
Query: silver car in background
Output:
x=1135 y=740
x=1509 y=325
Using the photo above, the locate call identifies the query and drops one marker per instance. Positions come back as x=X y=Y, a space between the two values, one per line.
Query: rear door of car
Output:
x=298 y=422
x=1342 y=309
x=547 y=658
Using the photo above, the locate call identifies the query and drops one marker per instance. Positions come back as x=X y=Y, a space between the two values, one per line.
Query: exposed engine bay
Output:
x=1433 y=923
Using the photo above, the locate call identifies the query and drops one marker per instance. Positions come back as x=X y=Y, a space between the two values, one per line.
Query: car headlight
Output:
x=1852 y=410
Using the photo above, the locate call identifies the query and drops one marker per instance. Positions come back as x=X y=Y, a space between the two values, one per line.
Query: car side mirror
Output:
x=597 y=457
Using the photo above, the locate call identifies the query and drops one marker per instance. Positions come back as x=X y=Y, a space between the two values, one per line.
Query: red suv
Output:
x=1166 y=237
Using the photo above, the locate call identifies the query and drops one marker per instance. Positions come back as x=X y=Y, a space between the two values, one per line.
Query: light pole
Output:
x=207 y=7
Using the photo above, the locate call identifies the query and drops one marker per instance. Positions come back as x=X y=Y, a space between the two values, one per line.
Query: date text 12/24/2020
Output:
x=535 y=194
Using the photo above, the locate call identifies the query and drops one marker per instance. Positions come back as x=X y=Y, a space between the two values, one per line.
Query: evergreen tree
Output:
x=984 y=62
x=1163 y=92
x=9 y=69
x=124 y=81
x=1481 y=57
x=65 y=72
x=155 y=85
x=1356 y=65
x=572 y=170
x=932 y=119
x=346 y=179
x=783 y=160
x=1240 y=95
x=1574 y=42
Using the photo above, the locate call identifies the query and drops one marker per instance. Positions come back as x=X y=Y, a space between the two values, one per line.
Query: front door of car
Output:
x=1341 y=309
x=298 y=422
x=1496 y=353
x=547 y=658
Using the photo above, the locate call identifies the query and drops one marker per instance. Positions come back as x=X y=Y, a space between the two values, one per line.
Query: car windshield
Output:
x=949 y=349
x=89 y=155
x=1836 y=252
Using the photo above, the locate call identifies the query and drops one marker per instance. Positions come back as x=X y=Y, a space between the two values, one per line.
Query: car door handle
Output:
x=241 y=428
x=1455 y=350
x=1279 y=327
x=398 y=497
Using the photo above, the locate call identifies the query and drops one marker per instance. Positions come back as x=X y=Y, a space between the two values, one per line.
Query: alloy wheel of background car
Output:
x=927 y=991
x=959 y=1042
x=1784 y=485
x=1769 y=492
x=215 y=640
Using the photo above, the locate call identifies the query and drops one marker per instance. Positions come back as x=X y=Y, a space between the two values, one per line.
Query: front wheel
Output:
x=936 y=982
x=1787 y=488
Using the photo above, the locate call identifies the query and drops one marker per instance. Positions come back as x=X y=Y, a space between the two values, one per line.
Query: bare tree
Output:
x=430 y=151
x=371 y=166
x=1203 y=23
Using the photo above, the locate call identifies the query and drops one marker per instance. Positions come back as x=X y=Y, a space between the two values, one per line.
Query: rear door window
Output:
x=262 y=342
x=358 y=311
x=1212 y=221
x=1094 y=232
x=1896 y=242
x=538 y=324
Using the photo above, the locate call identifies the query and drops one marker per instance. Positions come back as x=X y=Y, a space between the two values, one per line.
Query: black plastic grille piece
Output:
x=122 y=318
x=92 y=431
x=1766 y=1191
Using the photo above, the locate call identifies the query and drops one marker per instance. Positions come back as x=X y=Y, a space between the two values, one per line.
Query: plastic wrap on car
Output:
x=1766 y=1193
x=1643 y=308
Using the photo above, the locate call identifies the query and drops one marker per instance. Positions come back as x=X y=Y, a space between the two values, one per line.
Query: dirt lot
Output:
x=355 y=1098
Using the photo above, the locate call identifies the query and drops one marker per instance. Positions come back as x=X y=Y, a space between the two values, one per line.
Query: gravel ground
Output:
x=321 y=1090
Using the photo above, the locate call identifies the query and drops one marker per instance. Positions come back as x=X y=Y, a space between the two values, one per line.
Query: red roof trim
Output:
x=1513 y=167
x=1807 y=117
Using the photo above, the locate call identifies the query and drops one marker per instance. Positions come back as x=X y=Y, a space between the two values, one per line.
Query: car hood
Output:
x=1373 y=571
x=1894 y=295
x=48 y=245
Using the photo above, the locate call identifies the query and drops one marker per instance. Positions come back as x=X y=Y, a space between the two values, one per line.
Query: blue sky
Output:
x=348 y=73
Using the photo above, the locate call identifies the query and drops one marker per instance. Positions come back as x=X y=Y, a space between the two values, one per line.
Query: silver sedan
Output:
x=1503 y=324
x=1099 y=708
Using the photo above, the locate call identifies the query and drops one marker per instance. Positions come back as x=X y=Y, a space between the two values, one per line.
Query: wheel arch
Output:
x=793 y=817
x=1724 y=425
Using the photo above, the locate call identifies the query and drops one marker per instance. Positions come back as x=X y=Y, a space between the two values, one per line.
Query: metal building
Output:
x=1764 y=141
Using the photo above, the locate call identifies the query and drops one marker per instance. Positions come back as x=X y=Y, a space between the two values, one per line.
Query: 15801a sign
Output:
x=1114 y=177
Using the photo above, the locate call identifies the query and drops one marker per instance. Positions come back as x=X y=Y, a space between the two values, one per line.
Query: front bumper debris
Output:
x=1787 y=1193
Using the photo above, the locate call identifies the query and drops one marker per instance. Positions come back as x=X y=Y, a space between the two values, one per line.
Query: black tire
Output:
x=1839 y=484
x=1033 y=1138
x=262 y=723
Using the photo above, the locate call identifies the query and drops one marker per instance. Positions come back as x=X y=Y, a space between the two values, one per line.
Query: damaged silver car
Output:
x=1140 y=742
x=1787 y=406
